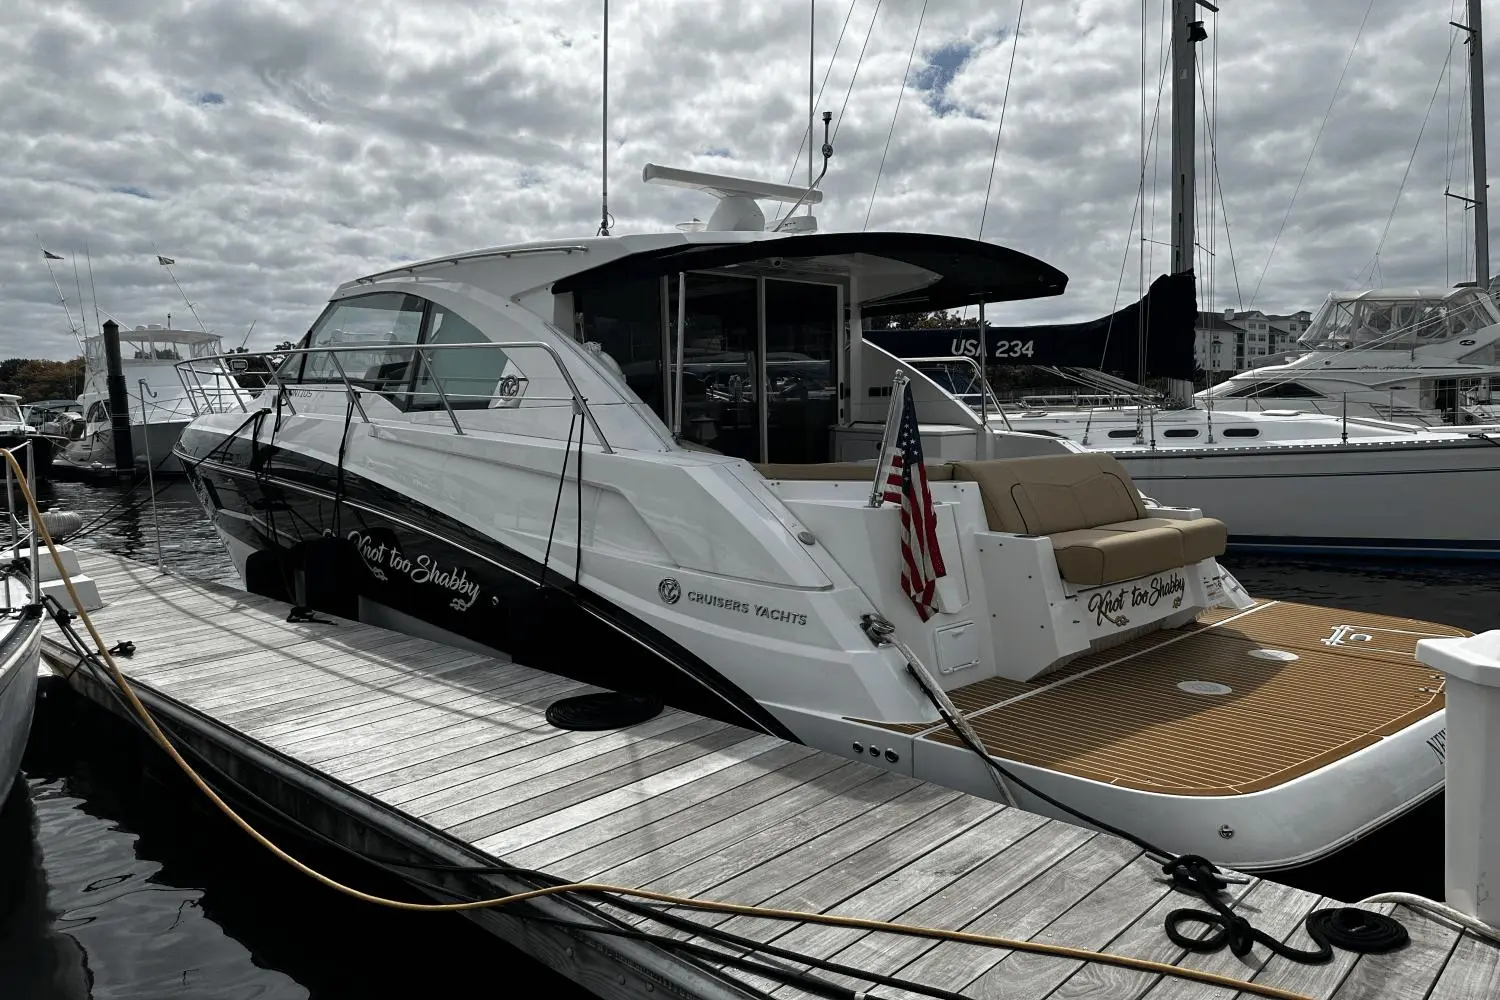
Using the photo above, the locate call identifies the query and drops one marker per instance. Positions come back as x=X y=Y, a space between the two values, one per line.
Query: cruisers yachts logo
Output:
x=670 y=591
x=382 y=559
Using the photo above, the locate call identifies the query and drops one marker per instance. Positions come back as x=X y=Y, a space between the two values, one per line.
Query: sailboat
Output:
x=1320 y=454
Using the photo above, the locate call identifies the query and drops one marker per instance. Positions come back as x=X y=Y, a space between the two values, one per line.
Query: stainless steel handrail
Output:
x=222 y=370
x=986 y=393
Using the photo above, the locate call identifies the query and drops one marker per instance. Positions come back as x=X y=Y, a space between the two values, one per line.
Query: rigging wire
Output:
x=1316 y=138
x=905 y=77
x=1163 y=60
x=1140 y=316
x=1136 y=211
x=1437 y=89
x=802 y=144
x=1218 y=184
x=857 y=63
x=1015 y=41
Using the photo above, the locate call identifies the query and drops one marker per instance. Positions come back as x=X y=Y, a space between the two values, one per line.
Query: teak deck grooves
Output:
x=404 y=747
x=1308 y=686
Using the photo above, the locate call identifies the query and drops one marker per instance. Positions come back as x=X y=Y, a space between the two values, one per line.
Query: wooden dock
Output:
x=408 y=748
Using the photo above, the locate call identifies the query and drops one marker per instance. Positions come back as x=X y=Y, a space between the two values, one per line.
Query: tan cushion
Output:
x=1051 y=493
x=1202 y=538
x=1093 y=557
x=840 y=472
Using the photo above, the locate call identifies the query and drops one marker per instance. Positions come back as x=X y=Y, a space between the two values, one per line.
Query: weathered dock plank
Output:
x=446 y=754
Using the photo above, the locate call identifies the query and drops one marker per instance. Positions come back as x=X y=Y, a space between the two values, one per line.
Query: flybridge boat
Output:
x=158 y=404
x=1424 y=356
x=659 y=463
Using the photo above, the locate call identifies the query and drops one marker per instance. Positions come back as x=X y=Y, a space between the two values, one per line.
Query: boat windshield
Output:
x=10 y=414
x=1398 y=322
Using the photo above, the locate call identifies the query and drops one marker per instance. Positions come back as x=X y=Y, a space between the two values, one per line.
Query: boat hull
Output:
x=285 y=539
x=1385 y=500
x=20 y=651
x=96 y=451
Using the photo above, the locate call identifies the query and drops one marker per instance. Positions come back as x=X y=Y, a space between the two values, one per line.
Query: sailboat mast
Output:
x=1476 y=139
x=1183 y=115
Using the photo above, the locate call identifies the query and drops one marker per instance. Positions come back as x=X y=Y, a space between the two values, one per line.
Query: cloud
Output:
x=276 y=148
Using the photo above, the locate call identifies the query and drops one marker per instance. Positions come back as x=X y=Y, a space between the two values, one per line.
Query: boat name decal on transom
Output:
x=1107 y=604
x=380 y=557
x=670 y=591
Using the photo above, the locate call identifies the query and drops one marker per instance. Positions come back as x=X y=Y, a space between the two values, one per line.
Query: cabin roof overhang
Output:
x=932 y=272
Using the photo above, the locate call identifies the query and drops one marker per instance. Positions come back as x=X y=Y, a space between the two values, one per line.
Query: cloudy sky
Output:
x=274 y=148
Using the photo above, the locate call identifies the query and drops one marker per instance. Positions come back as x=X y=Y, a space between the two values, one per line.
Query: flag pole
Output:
x=887 y=437
x=47 y=258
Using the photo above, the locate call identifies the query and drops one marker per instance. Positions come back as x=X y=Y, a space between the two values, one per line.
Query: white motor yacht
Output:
x=158 y=404
x=659 y=463
x=1423 y=356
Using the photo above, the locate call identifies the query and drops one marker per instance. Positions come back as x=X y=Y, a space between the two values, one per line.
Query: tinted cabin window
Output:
x=1122 y=434
x=1180 y=432
x=369 y=332
x=1277 y=390
x=1242 y=432
x=470 y=379
x=625 y=319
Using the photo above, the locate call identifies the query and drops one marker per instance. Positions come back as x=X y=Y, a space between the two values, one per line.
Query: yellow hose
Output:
x=740 y=909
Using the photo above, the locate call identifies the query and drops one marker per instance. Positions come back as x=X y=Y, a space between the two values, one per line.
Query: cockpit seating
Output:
x=1091 y=511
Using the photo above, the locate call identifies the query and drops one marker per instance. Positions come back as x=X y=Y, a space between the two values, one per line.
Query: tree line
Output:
x=36 y=379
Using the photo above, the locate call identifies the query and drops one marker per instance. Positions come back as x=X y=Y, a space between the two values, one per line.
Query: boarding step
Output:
x=88 y=592
x=46 y=567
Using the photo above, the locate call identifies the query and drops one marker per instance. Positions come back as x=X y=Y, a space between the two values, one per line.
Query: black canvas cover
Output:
x=1109 y=343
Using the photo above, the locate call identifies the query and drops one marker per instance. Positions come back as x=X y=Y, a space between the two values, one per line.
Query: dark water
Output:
x=116 y=882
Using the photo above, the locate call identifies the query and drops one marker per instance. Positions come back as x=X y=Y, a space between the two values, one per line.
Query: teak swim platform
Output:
x=1184 y=711
x=403 y=747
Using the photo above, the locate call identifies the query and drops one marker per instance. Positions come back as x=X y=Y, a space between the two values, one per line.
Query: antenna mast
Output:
x=812 y=13
x=604 y=138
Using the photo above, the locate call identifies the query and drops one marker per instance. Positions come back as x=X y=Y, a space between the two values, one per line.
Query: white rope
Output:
x=1473 y=925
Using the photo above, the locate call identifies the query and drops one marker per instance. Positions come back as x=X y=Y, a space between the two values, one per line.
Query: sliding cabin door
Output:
x=759 y=370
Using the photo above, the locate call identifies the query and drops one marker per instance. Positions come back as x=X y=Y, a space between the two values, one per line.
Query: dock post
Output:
x=1470 y=748
x=119 y=400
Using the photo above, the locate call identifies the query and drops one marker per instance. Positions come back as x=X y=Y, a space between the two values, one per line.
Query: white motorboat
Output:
x=158 y=405
x=1424 y=356
x=649 y=461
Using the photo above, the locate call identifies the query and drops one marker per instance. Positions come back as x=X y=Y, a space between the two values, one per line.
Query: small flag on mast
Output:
x=49 y=255
x=164 y=260
x=906 y=484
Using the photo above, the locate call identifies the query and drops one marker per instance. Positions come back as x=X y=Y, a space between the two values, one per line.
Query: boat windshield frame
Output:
x=1395 y=321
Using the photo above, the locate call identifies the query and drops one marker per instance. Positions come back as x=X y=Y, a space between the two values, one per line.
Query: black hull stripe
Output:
x=270 y=492
x=1454 y=548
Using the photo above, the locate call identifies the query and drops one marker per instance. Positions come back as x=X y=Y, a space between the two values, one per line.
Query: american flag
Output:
x=906 y=484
